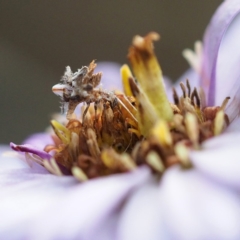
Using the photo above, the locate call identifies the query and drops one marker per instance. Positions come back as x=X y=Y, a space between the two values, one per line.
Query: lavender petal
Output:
x=142 y=216
x=196 y=208
x=219 y=160
x=30 y=149
x=58 y=208
x=220 y=41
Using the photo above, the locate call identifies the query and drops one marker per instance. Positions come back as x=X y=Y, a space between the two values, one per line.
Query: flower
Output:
x=197 y=203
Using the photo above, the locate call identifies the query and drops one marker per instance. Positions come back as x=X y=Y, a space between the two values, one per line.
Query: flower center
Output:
x=119 y=131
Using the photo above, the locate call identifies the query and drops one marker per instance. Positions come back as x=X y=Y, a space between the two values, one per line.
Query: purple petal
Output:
x=142 y=216
x=221 y=52
x=196 y=208
x=57 y=208
x=30 y=149
x=219 y=160
x=233 y=108
x=234 y=126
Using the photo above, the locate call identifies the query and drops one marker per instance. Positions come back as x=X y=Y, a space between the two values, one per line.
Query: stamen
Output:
x=225 y=102
x=52 y=167
x=175 y=97
x=182 y=153
x=189 y=88
x=162 y=133
x=126 y=75
x=55 y=167
x=115 y=161
x=183 y=89
x=195 y=96
x=192 y=128
x=92 y=143
x=155 y=161
x=219 y=123
x=79 y=174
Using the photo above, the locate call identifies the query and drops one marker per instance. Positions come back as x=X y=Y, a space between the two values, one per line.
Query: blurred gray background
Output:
x=39 y=38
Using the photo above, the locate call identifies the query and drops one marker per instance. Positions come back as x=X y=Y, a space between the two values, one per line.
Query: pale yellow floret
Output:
x=191 y=123
x=162 y=133
x=182 y=153
x=155 y=161
x=52 y=167
x=79 y=174
x=218 y=123
x=113 y=160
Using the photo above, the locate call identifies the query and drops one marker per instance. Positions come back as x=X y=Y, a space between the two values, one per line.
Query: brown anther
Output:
x=189 y=88
x=175 y=97
x=195 y=96
x=134 y=87
x=183 y=89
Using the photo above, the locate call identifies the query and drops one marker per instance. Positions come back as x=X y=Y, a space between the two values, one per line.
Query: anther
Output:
x=79 y=174
x=155 y=161
x=219 y=123
x=225 y=102
x=192 y=128
x=183 y=89
x=195 y=96
x=188 y=87
x=175 y=96
x=182 y=153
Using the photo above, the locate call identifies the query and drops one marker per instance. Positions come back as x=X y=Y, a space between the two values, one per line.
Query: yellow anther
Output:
x=161 y=132
x=218 y=123
x=126 y=74
x=116 y=161
x=155 y=161
x=182 y=153
x=62 y=132
x=79 y=174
